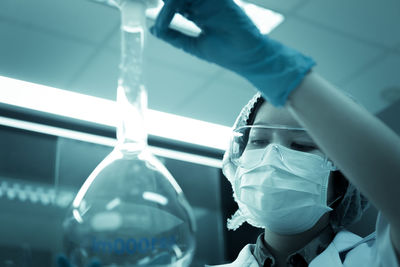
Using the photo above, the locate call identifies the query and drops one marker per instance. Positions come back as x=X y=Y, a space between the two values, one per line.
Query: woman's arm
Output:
x=363 y=148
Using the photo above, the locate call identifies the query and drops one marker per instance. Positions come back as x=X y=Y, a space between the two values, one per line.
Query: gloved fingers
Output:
x=187 y=43
x=166 y=15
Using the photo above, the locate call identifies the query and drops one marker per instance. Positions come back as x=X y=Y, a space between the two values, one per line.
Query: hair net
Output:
x=348 y=211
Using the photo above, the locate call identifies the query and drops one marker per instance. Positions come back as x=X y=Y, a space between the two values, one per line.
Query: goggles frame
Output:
x=238 y=146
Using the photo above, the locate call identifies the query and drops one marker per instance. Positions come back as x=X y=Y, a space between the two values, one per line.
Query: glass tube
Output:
x=130 y=211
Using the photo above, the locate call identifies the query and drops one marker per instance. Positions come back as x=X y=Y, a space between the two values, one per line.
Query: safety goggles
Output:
x=258 y=137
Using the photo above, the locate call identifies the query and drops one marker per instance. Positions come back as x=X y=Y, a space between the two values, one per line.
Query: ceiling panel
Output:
x=172 y=56
x=39 y=57
x=166 y=85
x=281 y=6
x=367 y=86
x=60 y=43
x=163 y=52
x=220 y=102
x=82 y=19
x=172 y=76
x=376 y=21
x=98 y=77
x=337 y=57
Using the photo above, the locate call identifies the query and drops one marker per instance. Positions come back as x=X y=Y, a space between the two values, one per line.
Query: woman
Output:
x=275 y=170
x=355 y=142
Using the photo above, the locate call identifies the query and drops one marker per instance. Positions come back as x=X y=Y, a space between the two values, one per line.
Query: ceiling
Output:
x=74 y=45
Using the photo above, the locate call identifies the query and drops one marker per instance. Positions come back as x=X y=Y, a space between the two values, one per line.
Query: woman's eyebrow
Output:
x=304 y=138
x=259 y=132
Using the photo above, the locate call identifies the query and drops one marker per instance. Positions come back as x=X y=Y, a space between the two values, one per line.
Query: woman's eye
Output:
x=302 y=147
x=259 y=143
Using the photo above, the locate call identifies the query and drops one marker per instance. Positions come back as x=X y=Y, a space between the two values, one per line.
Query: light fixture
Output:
x=102 y=111
x=107 y=141
x=266 y=20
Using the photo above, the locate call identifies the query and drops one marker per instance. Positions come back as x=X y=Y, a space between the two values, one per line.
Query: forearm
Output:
x=363 y=148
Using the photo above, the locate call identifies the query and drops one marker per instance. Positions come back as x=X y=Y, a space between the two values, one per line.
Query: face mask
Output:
x=286 y=192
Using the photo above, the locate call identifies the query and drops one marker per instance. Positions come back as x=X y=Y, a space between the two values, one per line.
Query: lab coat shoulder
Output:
x=244 y=259
x=377 y=252
x=330 y=256
x=384 y=253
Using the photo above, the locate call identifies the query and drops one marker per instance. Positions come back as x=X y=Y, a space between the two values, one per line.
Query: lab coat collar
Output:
x=305 y=254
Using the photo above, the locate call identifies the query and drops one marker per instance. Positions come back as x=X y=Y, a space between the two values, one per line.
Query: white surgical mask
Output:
x=286 y=192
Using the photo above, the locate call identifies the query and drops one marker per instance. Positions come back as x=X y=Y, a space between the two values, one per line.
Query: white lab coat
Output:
x=378 y=252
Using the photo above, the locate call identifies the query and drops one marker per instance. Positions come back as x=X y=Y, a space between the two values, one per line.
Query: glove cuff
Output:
x=279 y=73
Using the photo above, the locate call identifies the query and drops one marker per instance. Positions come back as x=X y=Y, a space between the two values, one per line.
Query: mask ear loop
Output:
x=334 y=201
x=331 y=166
x=328 y=163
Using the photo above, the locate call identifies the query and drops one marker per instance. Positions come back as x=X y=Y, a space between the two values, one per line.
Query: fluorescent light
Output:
x=179 y=22
x=266 y=20
x=106 y=141
x=102 y=111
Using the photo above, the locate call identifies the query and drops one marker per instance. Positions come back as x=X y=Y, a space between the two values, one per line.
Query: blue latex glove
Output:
x=230 y=39
x=62 y=261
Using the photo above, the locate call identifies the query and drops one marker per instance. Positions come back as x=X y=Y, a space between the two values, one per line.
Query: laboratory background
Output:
x=58 y=77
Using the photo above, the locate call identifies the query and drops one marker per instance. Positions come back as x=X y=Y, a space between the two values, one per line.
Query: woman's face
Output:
x=297 y=140
x=268 y=114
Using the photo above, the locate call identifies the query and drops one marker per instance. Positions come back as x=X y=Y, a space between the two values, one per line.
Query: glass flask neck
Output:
x=131 y=93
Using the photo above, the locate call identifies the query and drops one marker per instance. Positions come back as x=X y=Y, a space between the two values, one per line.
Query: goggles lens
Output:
x=258 y=137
